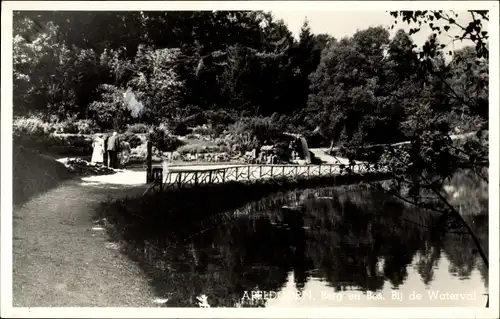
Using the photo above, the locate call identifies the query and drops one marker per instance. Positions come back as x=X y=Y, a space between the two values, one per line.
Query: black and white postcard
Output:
x=295 y=158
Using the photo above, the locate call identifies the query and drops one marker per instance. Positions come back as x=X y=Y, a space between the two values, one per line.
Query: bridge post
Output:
x=248 y=172
x=283 y=170
x=196 y=178
x=308 y=170
x=149 y=155
x=260 y=171
x=331 y=169
x=224 y=175
x=272 y=171
x=210 y=177
x=236 y=174
x=319 y=173
x=179 y=179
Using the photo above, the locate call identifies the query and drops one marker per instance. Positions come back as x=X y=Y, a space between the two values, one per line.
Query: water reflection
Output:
x=314 y=246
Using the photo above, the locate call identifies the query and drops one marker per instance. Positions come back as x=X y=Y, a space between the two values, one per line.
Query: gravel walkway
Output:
x=60 y=261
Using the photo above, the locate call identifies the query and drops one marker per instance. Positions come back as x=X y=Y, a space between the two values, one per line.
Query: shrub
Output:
x=76 y=145
x=164 y=141
x=239 y=142
x=223 y=149
x=35 y=134
x=236 y=148
x=246 y=142
x=218 y=129
x=221 y=141
x=132 y=139
x=171 y=143
x=203 y=130
x=139 y=151
x=370 y=154
x=195 y=120
x=65 y=127
x=157 y=135
x=79 y=140
x=137 y=128
x=57 y=145
x=192 y=149
x=164 y=127
x=34 y=173
x=31 y=126
x=38 y=142
x=219 y=117
x=464 y=123
x=262 y=128
x=86 y=127
x=200 y=149
x=316 y=139
x=72 y=126
x=181 y=129
x=282 y=151
x=109 y=110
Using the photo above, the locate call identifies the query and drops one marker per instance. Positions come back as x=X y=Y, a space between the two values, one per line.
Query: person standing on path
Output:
x=98 y=150
x=105 y=149
x=125 y=153
x=113 y=148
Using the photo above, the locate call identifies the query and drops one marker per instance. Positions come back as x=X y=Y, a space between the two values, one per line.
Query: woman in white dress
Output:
x=98 y=152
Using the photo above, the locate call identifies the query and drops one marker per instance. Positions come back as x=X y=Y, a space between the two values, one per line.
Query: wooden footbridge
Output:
x=180 y=176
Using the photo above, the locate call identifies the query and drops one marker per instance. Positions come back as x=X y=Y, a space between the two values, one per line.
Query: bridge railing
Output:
x=180 y=176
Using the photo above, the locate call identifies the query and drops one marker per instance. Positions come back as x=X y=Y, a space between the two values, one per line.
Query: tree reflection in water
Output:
x=340 y=235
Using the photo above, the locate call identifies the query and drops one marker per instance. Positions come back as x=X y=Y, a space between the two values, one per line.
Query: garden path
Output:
x=60 y=261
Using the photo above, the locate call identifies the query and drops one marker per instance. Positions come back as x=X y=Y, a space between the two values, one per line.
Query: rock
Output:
x=113 y=246
x=160 y=300
x=82 y=167
x=176 y=155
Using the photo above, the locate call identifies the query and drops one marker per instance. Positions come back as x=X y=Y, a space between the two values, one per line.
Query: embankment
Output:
x=34 y=173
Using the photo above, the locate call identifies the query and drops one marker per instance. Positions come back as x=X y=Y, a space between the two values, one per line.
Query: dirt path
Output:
x=58 y=260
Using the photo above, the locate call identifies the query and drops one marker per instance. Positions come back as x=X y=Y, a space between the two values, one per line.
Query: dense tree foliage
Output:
x=67 y=62
x=368 y=88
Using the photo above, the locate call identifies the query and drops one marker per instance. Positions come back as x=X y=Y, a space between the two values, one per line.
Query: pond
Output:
x=327 y=247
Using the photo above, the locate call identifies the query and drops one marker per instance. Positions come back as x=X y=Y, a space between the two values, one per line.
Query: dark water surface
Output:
x=321 y=248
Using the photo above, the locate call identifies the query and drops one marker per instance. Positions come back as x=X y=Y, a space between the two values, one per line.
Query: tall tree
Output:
x=304 y=63
x=469 y=78
x=346 y=89
x=432 y=157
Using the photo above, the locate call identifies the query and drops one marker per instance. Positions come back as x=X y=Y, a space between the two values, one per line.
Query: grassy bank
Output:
x=34 y=173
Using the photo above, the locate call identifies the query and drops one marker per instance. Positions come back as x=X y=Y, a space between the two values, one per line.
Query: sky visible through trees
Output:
x=341 y=24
